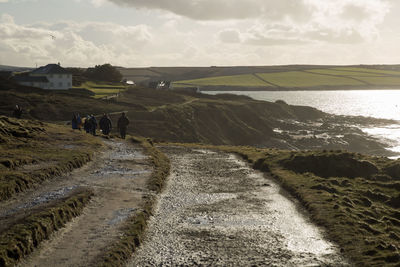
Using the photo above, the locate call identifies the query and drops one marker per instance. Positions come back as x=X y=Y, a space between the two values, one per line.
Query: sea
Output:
x=384 y=104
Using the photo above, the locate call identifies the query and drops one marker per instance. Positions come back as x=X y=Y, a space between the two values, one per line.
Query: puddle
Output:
x=68 y=146
x=45 y=198
x=117 y=170
x=133 y=155
x=204 y=151
x=120 y=215
x=200 y=220
x=301 y=235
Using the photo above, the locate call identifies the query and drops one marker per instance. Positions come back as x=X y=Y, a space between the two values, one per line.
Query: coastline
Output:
x=309 y=88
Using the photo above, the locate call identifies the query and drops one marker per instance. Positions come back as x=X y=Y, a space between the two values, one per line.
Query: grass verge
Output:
x=34 y=151
x=133 y=230
x=26 y=234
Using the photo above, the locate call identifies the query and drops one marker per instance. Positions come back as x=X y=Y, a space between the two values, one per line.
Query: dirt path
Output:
x=216 y=211
x=170 y=105
x=118 y=178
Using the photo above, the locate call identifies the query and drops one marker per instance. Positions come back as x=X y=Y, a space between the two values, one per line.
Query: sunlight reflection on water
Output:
x=384 y=104
x=390 y=134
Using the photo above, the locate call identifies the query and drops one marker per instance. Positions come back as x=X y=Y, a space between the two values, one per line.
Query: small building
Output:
x=51 y=76
x=160 y=85
x=40 y=82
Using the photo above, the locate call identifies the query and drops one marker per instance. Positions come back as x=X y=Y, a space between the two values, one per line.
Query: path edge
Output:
x=134 y=228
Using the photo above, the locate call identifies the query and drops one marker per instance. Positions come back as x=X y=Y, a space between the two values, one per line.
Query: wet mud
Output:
x=217 y=211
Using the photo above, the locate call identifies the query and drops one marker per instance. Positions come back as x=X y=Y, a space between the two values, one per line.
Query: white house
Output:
x=51 y=76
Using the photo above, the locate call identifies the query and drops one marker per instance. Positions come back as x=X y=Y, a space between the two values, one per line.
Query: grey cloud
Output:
x=229 y=36
x=344 y=36
x=225 y=9
x=355 y=13
x=267 y=41
x=291 y=34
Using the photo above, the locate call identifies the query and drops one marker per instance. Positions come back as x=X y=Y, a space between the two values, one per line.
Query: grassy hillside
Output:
x=224 y=119
x=311 y=78
x=189 y=73
x=165 y=115
x=55 y=106
x=189 y=117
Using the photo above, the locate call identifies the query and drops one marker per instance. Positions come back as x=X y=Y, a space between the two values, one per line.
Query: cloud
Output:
x=336 y=22
x=229 y=36
x=205 y=32
x=283 y=22
x=76 y=44
x=224 y=9
x=98 y=3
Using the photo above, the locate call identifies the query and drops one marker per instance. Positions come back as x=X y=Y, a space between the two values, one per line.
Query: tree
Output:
x=106 y=73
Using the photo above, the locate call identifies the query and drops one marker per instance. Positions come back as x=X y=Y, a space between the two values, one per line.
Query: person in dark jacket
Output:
x=86 y=124
x=105 y=124
x=123 y=122
x=79 y=121
x=17 y=112
x=93 y=124
x=74 y=122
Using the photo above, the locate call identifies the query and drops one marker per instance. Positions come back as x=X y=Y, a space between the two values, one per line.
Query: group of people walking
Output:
x=89 y=124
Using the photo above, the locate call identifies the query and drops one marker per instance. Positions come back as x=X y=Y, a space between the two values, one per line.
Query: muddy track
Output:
x=217 y=211
x=118 y=177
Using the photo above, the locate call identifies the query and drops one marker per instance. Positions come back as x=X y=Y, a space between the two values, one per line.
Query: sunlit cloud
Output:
x=224 y=9
x=209 y=32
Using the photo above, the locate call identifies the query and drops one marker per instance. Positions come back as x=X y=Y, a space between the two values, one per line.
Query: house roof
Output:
x=25 y=78
x=50 y=69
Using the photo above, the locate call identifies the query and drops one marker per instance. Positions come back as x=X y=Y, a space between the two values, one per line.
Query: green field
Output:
x=103 y=89
x=346 y=73
x=332 y=77
x=305 y=79
x=235 y=80
x=369 y=70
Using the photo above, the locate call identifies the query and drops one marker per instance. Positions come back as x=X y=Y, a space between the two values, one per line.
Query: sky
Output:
x=144 y=33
